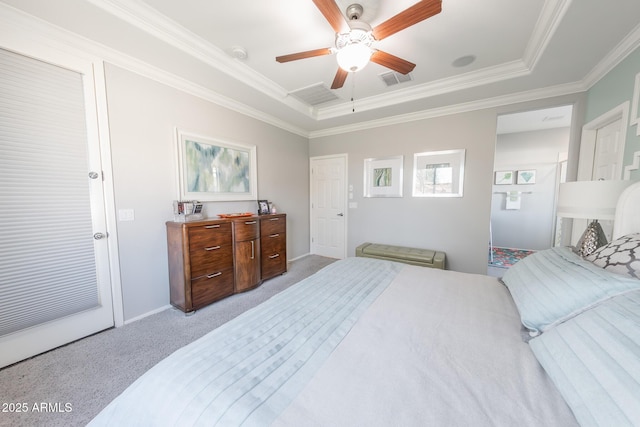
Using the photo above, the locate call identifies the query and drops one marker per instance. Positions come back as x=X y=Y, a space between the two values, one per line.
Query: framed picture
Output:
x=383 y=177
x=210 y=169
x=263 y=207
x=438 y=173
x=503 y=178
x=526 y=176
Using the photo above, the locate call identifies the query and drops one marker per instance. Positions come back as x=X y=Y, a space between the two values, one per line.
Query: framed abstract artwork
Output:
x=383 y=177
x=210 y=169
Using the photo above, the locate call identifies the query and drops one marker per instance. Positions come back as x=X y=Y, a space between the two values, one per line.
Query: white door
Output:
x=602 y=145
x=55 y=284
x=601 y=156
x=607 y=152
x=328 y=213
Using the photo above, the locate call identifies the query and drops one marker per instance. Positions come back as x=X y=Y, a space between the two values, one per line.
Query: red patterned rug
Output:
x=506 y=257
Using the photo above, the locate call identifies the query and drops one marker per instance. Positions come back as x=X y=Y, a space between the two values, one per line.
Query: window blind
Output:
x=47 y=262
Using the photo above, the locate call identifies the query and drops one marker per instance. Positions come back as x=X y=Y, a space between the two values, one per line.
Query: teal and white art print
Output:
x=526 y=177
x=215 y=170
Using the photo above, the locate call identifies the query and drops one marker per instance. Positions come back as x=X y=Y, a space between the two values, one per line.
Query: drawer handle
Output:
x=212 y=226
x=274 y=256
x=212 y=248
x=274 y=219
x=274 y=235
x=250 y=222
x=211 y=276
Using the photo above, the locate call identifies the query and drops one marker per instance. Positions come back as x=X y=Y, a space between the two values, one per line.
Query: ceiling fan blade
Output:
x=332 y=13
x=303 y=55
x=418 y=12
x=393 y=62
x=339 y=79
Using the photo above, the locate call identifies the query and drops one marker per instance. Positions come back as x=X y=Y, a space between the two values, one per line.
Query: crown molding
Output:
x=553 y=11
x=438 y=87
x=533 y=95
x=147 y=19
x=22 y=29
x=25 y=31
x=615 y=57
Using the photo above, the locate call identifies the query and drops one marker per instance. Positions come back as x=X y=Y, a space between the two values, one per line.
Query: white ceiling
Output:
x=524 y=49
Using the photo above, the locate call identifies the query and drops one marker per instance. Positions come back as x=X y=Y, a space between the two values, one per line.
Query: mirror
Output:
x=438 y=173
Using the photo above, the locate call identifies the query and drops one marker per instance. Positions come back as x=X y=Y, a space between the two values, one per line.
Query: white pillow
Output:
x=621 y=256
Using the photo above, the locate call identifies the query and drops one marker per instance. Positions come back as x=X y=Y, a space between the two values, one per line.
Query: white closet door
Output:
x=328 y=213
x=54 y=272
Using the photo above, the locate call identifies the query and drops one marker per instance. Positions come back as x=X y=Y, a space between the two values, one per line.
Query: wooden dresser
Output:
x=246 y=240
x=215 y=258
x=273 y=245
x=200 y=262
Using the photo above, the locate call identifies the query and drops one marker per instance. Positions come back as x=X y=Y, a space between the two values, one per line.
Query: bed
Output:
x=378 y=343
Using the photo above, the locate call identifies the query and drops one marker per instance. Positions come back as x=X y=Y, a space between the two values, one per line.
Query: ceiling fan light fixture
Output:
x=354 y=57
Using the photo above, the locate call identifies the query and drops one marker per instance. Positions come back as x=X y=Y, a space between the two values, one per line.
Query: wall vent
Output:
x=315 y=95
x=393 y=78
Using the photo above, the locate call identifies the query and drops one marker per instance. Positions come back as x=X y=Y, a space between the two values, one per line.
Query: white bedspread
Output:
x=437 y=348
x=363 y=342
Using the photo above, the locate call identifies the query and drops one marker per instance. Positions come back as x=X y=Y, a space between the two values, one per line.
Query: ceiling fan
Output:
x=354 y=46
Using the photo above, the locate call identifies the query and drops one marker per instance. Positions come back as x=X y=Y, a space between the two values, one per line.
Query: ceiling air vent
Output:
x=314 y=95
x=393 y=78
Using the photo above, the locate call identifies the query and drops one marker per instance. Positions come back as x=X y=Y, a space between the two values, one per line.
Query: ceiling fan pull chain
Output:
x=353 y=93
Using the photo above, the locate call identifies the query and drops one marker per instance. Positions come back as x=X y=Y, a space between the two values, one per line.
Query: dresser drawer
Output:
x=273 y=264
x=275 y=225
x=273 y=243
x=246 y=229
x=210 y=259
x=213 y=287
x=209 y=235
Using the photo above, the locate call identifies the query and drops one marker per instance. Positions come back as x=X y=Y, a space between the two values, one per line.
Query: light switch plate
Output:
x=126 y=215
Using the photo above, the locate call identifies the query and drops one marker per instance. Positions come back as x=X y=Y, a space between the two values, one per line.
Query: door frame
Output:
x=50 y=46
x=588 y=140
x=346 y=193
x=47 y=43
x=586 y=157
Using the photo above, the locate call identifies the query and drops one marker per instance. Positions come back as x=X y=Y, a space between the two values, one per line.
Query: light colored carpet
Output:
x=68 y=386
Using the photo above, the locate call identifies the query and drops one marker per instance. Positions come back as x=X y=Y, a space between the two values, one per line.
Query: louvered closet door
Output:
x=54 y=275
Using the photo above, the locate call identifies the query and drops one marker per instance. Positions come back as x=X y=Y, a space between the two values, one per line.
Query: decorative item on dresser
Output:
x=212 y=259
x=273 y=245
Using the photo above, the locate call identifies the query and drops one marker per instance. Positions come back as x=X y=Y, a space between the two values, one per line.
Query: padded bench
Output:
x=414 y=256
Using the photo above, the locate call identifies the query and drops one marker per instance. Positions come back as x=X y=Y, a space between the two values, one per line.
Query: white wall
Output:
x=531 y=226
x=458 y=226
x=143 y=115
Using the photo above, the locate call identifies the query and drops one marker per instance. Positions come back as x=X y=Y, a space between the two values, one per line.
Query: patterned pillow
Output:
x=621 y=256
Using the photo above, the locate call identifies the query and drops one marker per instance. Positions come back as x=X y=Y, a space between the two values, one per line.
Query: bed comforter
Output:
x=362 y=342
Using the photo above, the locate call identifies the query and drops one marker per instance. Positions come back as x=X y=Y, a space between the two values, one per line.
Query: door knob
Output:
x=341 y=214
x=99 y=236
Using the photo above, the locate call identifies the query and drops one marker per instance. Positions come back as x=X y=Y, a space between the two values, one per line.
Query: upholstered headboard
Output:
x=627 y=218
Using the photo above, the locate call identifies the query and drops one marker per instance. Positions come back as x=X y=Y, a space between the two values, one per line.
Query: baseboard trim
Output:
x=158 y=310
x=300 y=257
x=147 y=314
